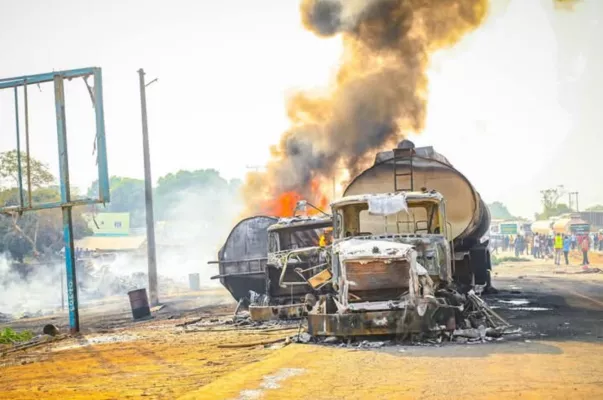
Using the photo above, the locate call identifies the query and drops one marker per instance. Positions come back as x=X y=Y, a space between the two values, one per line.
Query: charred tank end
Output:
x=242 y=260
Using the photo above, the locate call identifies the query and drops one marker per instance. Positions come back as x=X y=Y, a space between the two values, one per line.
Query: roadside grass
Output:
x=9 y=336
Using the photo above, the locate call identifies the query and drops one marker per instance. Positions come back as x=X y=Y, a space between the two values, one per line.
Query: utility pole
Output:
x=575 y=194
x=148 y=195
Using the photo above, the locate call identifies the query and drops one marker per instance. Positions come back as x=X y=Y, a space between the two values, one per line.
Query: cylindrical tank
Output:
x=542 y=227
x=467 y=214
x=242 y=260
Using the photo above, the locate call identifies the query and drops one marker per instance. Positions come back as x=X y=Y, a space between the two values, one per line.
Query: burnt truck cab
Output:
x=296 y=266
x=298 y=249
x=390 y=257
x=414 y=218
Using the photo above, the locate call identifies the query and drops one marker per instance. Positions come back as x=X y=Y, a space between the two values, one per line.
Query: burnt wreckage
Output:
x=408 y=249
x=251 y=264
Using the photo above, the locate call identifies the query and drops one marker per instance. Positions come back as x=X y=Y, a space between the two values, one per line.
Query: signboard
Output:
x=580 y=228
x=508 y=229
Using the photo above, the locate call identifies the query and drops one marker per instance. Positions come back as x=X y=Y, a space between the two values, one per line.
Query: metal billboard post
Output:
x=148 y=195
x=66 y=204
x=59 y=97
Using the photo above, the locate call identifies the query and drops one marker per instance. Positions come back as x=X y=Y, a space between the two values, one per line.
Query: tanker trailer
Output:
x=254 y=259
x=243 y=257
x=407 y=169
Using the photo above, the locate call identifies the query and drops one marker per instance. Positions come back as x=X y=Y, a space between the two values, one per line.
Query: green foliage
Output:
x=9 y=170
x=9 y=336
x=44 y=228
x=127 y=194
x=597 y=207
x=499 y=211
x=203 y=183
x=184 y=180
x=550 y=203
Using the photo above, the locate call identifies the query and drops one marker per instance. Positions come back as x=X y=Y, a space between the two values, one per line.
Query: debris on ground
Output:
x=582 y=271
x=89 y=341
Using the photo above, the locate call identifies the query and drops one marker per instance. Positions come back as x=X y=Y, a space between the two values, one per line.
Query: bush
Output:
x=9 y=336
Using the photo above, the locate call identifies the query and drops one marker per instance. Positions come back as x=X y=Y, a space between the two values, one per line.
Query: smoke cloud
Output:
x=196 y=225
x=379 y=94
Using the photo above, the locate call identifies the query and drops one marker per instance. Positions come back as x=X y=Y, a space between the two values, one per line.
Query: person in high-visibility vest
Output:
x=558 y=248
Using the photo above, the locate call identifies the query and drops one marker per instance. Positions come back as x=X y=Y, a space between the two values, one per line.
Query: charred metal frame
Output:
x=66 y=202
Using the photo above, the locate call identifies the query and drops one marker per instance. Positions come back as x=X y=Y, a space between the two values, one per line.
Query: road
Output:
x=559 y=356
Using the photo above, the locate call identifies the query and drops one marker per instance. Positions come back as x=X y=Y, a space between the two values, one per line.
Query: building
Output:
x=110 y=234
x=108 y=224
x=594 y=218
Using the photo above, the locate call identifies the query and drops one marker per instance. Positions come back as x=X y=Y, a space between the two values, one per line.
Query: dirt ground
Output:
x=559 y=355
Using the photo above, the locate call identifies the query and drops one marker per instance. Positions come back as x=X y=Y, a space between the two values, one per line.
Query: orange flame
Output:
x=284 y=204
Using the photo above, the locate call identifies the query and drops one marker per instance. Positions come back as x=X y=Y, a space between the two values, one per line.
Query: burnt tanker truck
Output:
x=408 y=169
x=249 y=264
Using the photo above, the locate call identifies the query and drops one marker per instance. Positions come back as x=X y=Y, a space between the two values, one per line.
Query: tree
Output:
x=183 y=180
x=550 y=203
x=174 y=189
x=499 y=211
x=597 y=207
x=9 y=170
x=40 y=232
x=127 y=195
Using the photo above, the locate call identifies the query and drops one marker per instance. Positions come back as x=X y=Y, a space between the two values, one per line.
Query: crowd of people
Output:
x=548 y=246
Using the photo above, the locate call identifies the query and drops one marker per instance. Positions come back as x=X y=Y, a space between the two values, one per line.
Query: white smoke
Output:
x=195 y=229
x=39 y=291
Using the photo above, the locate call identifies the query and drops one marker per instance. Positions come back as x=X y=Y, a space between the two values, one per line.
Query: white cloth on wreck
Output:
x=363 y=248
x=387 y=204
x=421 y=270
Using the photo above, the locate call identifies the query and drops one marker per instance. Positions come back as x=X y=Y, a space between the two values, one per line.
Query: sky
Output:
x=515 y=106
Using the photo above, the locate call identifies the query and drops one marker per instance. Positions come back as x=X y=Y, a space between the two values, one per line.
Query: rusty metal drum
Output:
x=139 y=302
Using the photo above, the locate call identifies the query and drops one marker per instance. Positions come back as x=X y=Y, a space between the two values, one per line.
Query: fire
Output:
x=284 y=204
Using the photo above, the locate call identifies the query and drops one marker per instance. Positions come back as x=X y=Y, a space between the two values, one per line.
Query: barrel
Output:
x=193 y=282
x=139 y=303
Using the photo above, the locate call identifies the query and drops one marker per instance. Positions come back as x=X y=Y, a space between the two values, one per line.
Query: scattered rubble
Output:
x=89 y=341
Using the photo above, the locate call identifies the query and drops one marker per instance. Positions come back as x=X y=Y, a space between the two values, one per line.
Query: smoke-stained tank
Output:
x=409 y=168
x=242 y=260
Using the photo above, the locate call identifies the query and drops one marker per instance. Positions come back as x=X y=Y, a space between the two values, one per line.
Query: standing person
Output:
x=536 y=246
x=600 y=241
x=573 y=241
x=567 y=244
x=527 y=244
x=505 y=243
x=558 y=248
x=585 y=247
x=517 y=245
